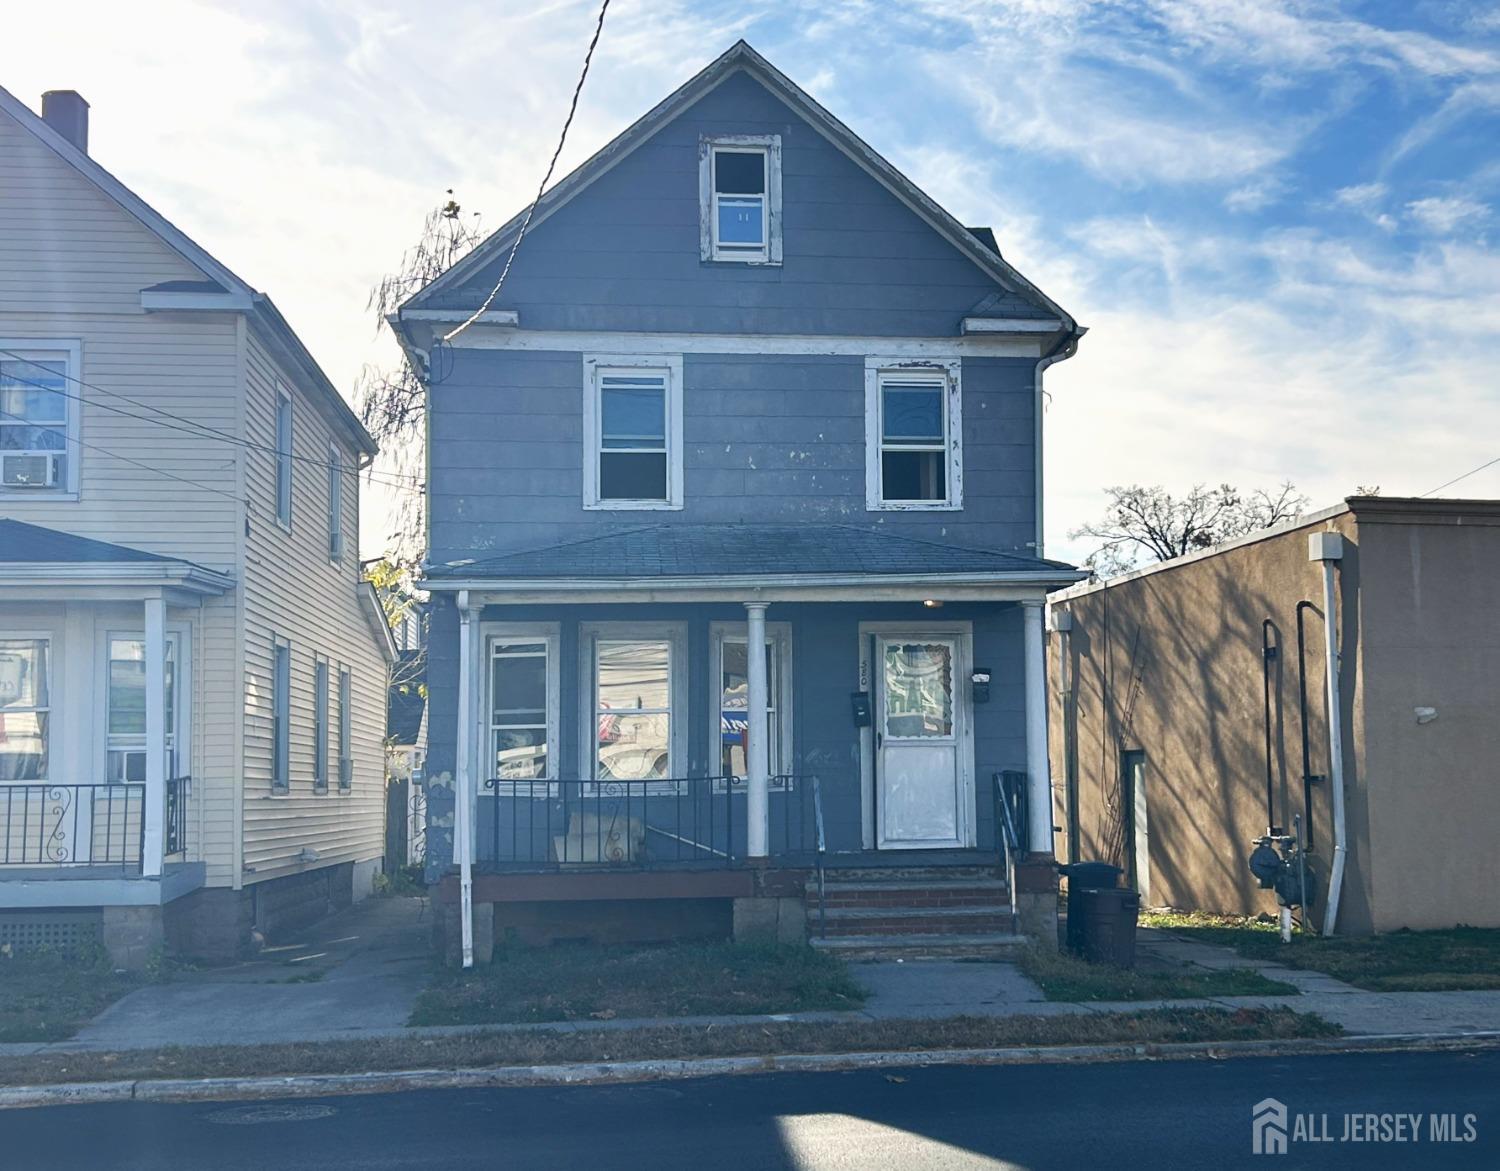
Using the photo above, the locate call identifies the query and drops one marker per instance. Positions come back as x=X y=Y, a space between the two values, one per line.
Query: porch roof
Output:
x=31 y=554
x=651 y=556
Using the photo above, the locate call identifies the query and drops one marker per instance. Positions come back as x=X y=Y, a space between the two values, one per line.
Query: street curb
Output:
x=593 y=1073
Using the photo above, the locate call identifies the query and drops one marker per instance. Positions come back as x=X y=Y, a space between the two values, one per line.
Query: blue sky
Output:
x=1277 y=218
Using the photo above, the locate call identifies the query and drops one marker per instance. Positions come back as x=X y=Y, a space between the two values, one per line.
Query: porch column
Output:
x=154 y=806
x=757 y=756
x=463 y=785
x=1039 y=777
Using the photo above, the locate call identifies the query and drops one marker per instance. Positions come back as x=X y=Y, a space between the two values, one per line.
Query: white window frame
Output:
x=779 y=636
x=335 y=503
x=33 y=349
x=595 y=367
x=179 y=719
x=676 y=636
x=284 y=456
x=878 y=370
x=493 y=634
x=281 y=717
x=53 y=707
x=321 y=683
x=346 y=730
x=768 y=145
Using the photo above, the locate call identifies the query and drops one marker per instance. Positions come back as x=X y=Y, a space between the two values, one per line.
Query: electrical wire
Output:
x=1465 y=476
x=547 y=178
x=198 y=430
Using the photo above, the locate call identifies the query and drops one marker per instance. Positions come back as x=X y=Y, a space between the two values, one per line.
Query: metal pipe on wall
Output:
x=1329 y=549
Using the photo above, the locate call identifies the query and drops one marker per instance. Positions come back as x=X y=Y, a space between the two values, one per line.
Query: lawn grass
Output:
x=49 y=995
x=545 y=1047
x=1066 y=977
x=1460 y=958
x=569 y=982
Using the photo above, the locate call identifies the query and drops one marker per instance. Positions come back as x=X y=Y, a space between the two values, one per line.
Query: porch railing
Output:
x=1011 y=822
x=51 y=825
x=656 y=823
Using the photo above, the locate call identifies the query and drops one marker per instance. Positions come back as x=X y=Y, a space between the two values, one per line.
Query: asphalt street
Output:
x=1187 y=1114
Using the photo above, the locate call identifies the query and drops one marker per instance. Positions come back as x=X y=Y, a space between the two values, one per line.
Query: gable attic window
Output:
x=38 y=418
x=739 y=195
x=633 y=421
x=914 y=435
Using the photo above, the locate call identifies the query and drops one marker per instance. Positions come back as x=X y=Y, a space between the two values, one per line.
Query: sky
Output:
x=1277 y=219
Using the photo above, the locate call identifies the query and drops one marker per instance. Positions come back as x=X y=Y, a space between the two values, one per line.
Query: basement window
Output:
x=740 y=198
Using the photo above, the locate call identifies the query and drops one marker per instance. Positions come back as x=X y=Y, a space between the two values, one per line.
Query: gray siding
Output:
x=767 y=438
x=624 y=254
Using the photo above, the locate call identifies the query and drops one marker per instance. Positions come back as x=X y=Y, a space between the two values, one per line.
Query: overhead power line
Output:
x=1471 y=472
x=547 y=178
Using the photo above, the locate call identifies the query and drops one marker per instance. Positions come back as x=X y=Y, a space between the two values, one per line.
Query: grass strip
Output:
x=489 y=1050
x=1065 y=977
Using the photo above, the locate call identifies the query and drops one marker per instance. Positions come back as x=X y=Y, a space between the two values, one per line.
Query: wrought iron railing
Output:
x=1011 y=822
x=656 y=823
x=86 y=825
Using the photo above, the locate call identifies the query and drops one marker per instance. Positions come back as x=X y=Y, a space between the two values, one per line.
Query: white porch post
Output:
x=757 y=755
x=463 y=787
x=1039 y=777
x=154 y=808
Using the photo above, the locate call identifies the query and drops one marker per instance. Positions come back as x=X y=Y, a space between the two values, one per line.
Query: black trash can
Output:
x=1085 y=876
x=1107 y=930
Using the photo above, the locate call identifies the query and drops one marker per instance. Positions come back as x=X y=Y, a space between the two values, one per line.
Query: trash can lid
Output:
x=1091 y=874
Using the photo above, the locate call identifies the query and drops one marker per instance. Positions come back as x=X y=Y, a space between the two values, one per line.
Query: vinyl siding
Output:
x=292 y=591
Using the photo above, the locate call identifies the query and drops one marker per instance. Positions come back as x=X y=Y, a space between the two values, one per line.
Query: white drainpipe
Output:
x=757 y=783
x=463 y=789
x=1329 y=549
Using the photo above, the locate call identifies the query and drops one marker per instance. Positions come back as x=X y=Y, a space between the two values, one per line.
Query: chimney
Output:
x=66 y=112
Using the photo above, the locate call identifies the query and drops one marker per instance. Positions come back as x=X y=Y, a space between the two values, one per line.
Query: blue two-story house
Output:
x=744 y=386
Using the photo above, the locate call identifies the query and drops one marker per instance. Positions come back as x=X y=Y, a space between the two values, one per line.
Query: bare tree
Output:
x=392 y=401
x=1144 y=524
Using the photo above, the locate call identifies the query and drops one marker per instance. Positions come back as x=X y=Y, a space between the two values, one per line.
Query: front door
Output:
x=920 y=798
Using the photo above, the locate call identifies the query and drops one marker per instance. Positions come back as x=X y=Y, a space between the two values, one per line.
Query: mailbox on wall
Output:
x=981 y=683
x=859 y=702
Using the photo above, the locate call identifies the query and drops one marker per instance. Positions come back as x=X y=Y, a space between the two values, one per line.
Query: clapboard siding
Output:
x=293 y=591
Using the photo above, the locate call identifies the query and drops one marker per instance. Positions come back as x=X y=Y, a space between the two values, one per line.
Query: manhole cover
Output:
x=251 y=1115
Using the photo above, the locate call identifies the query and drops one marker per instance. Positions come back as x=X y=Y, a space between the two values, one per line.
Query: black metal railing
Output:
x=1011 y=824
x=656 y=823
x=822 y=848
x=86 y=825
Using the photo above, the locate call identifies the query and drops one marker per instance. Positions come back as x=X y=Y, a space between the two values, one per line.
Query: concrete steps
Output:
x=922 y=947
x=926 y=912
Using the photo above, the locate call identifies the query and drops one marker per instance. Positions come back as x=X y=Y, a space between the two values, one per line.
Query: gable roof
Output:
x=977 y=244
x=220 y=279
x=24 y=543
x=729 y=549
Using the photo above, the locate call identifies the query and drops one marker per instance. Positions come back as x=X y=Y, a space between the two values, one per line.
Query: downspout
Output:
x=1061 y=622
x=1329 y=549
x=1061 y=352
x=463 y=801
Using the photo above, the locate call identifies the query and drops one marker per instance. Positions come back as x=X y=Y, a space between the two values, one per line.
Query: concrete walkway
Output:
x=371 y=962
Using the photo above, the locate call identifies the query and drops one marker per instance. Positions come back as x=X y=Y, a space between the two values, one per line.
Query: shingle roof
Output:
x=722 y=550
x=405 y=701
x=33 y=544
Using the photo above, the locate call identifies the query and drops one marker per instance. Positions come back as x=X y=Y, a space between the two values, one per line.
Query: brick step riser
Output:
x=861 y=902
x=970 y=925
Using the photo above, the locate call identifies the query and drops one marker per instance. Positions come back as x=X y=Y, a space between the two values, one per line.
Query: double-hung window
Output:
x=739 y=190
x=125 y=703
x=25 y=709
x=523 y=695
x=320 y=726
x=731 y=660
x=38 y=417
x=633 y=422
x=914 y=436
x=335 y=502
x=283 y=458
x=281 y=715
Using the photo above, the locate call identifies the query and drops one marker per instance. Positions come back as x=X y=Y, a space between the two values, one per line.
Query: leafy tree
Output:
x=1146 y=524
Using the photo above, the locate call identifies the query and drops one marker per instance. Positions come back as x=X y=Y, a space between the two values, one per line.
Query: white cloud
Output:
x=1443 y=215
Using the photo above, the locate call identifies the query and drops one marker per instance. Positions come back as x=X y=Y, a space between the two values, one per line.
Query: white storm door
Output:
x=918 y=732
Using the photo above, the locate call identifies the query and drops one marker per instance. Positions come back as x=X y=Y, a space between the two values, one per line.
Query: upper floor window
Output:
x=335 y=502
x=739 y=186
x=914 y=435
x=38 y=417
x=283 y=458
x=633 y=428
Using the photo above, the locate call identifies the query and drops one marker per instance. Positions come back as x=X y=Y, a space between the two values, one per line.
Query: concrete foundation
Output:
x=782 y=919
x=1033 y=886
x=133 y=936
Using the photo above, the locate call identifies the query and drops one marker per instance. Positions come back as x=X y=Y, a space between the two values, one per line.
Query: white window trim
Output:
x=344 y=753
x=321 y=708
x=951 y=369
x=281 y=704
x=675 y=634
x=284 y=461
x=180 y=727
x=31 y=349
x=53 y=708
x=707 y=225
x=779 y=634
x=595 y=365
x=335 y=503
x=491 y=633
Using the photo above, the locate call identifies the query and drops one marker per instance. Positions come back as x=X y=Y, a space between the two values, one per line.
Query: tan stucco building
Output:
x=1165 y=682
